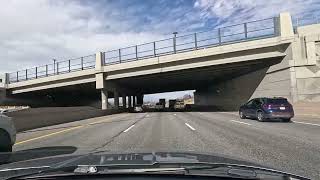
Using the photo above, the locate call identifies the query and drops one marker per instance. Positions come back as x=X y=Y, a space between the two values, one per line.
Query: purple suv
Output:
x=267 y=108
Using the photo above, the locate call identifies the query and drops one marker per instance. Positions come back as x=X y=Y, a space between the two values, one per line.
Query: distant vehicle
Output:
x=162 y=102
x=7 y=133
x=267 y=108
x=138 y=108
x=172 y=102
x=159 y=107
x=179 y=105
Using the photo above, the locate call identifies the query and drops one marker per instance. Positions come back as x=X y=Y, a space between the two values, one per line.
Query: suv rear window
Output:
x=277 y=101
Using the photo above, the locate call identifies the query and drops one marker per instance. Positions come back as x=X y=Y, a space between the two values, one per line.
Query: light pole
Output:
x=175 y=42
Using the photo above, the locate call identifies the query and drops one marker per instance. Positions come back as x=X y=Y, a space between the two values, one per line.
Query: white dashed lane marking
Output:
x=193 y=129
x=240 y=122
x=306 y=123
x=128 y=129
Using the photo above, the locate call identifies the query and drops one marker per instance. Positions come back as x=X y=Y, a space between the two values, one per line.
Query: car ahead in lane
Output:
x=267 y=108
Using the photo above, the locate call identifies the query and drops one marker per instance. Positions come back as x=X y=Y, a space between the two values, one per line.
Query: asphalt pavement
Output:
x=292 y=147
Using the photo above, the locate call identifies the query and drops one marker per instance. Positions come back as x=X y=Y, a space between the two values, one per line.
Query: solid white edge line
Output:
x=306 y=123
x=241 y=122
x=128 y=128
x=190 y=126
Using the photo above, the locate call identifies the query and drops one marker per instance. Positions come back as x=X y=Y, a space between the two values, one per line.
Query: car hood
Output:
x=102 y=158
x=43 y=165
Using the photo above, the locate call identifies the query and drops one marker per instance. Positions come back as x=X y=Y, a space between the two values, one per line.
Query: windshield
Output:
x=215 y=81
x=277 y=101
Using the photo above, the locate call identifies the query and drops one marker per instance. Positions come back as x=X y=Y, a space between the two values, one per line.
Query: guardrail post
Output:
x=81 y=63
x=136 y=52
x=17 y=76
x=46 y=69
x=6 y=79
x=219 y=36
x=245 y=30
x=69 y=62
x=54 y=66
x=36 y=72
x=276 y=26
x=195 y=41
x=154 y=49
x=26 y=74
x=120 y=55
x=57 y=67
x=175 y=42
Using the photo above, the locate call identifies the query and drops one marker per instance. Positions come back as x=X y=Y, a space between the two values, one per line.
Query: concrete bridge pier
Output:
x=133 y=101
x=140 y=99
x=124 y=101
x=116 y=99
x=104 y=99
x=129 y=102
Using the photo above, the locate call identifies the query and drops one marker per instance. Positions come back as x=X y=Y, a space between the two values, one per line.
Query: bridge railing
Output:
x=225 y=35
x=308 y=19
x=61 y=67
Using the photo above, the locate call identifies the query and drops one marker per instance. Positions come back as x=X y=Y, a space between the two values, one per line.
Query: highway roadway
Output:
x=293 y=147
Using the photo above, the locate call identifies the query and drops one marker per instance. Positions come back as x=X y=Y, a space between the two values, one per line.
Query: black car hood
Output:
x=103 y=158
x=70 y=162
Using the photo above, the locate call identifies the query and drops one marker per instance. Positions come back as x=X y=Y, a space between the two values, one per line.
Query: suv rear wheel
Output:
x=241 y=115
x=260 y=116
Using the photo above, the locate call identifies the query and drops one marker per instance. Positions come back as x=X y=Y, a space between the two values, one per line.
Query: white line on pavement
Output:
x=240 y=122
x=190 y=126
x=128 y=129
x=175 y=114
x=299 y=122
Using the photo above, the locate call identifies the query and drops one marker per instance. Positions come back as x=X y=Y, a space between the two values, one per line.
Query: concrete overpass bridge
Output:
x=226 y=67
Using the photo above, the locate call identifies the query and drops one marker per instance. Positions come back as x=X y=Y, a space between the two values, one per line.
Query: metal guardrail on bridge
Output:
x=221 y=36
x=61 y=67
x=225 y=35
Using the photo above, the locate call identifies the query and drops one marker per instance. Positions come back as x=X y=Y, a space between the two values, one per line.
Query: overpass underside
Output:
x=200 y=79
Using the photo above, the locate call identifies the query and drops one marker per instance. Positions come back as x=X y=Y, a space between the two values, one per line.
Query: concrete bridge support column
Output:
x=133 y=101
x=116 y=99
x=100 y=80
x=129 y=102
x=104 y=99
x=124 y=101
x=140 y=99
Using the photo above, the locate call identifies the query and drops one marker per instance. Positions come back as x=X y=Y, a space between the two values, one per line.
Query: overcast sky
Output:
x=33 y=32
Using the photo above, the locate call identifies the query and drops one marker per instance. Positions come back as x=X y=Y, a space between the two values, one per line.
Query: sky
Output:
x=34 y=32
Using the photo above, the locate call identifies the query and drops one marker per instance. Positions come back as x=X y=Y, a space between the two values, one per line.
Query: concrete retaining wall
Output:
x=41 y=117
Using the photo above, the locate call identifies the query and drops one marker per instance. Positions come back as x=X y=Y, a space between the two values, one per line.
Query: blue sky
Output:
x=34 y=32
